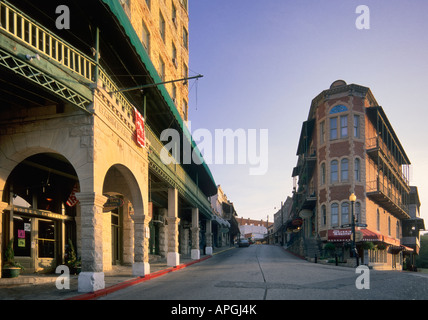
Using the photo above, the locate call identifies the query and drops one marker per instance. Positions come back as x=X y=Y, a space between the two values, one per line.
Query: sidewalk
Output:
x=43 y=287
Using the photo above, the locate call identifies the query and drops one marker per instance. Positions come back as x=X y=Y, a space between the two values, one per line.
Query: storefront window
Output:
x=22 y=236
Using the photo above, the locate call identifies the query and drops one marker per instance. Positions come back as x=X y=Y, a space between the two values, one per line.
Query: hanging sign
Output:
x=112 y=203
x=139 y=128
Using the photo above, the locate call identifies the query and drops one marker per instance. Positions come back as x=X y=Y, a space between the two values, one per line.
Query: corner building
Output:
x=82 y=112
x=347 y=145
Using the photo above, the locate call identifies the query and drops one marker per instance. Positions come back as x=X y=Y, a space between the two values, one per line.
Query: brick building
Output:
x=253 y=229
x=348 y=146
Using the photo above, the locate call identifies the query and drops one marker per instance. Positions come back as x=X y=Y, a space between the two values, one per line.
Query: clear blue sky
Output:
x=264 y=61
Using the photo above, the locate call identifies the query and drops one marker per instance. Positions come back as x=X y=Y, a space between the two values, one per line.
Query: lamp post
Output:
x=352 y=198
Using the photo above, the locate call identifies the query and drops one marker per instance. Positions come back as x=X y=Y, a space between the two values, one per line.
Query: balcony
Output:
x=383 y=195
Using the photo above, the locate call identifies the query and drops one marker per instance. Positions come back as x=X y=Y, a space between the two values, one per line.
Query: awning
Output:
x=397 y=249
x=343 y=235
x=221 y=221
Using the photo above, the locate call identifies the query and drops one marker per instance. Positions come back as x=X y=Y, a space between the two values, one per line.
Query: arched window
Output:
x=339 y=108
x=345 y=212
x=334 y=171
x=344 y=170
x=334 y=214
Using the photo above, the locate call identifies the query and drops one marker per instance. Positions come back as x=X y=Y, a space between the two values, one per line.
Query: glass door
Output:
x=46 y=245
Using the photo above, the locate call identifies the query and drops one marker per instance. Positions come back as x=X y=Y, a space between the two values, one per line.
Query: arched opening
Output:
x=40 y=217
x=124 y=200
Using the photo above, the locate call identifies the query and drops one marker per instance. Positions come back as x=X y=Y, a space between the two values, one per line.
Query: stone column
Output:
x=209 y=238
x=141 y=265
x=163 y=234
x=92 y=276
x=195 y=253
x=173 y=257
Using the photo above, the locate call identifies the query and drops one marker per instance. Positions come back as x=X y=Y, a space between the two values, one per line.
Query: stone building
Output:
x=348 y=146
x=82 y=159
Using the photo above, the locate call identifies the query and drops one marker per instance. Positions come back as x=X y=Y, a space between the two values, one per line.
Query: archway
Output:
x=40 y=216
x=124 y=201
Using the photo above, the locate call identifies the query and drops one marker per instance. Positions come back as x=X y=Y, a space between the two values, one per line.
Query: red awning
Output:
x=341 y=235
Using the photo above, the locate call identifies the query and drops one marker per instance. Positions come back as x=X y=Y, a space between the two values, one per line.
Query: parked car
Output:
x=243 y=243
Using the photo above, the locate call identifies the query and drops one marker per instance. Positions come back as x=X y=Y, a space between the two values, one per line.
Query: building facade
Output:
x=348 y=146
x=83 y=110
x=225 y=227
x=254 y=230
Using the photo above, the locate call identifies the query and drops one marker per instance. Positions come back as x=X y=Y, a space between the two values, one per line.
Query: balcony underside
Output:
x=385 y=202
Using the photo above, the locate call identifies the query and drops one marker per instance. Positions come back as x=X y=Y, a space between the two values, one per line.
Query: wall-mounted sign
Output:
x=139 y=128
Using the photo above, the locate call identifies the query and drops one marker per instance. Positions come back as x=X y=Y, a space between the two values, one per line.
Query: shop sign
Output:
x=139 y=128
x=112 y=203
x=40 y=213
x=297 y=222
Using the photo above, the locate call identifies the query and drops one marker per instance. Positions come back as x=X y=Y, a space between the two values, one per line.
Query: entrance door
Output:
x=116 y=237
x=46 y=245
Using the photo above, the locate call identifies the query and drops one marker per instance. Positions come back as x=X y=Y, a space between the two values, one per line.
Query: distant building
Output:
x=254 y=229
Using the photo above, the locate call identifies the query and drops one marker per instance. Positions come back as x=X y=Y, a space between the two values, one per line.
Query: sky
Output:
x=264 y=61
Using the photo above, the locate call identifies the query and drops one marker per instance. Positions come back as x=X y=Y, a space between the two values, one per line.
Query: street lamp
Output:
x=352 y=198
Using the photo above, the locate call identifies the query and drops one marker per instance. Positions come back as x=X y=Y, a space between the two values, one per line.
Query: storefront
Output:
x=39 y=237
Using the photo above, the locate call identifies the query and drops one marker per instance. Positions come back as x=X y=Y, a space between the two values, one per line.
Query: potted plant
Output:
x=72 y=261
x=11 y=268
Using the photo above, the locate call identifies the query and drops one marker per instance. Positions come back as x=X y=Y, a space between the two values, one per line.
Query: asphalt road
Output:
x=263 y=272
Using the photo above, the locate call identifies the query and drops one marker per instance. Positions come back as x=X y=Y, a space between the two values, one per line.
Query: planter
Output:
x=10 y=272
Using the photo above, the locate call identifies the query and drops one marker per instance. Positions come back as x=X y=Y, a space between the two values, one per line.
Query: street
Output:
x=266 y=272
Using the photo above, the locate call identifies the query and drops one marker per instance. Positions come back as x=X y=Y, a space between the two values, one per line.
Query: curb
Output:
x=128 y=283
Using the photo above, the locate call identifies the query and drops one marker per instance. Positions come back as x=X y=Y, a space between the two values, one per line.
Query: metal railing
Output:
x=387 y=190
x=39 y=38
x=376 y=142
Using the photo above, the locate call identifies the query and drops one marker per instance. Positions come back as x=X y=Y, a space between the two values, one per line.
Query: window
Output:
x=161 y=68
x=185 y=110
x=323 y=215
x=162 y=26
x=338 y=109
x=334 y=214
x=389 y=225
x=357 y=169
x=145 y=39
x=344 y=170
x=345 y=212
x=397 y=230
x=322 y=132
x=334 y=171
x=185 y=38
x=323 y=174
x=174 y=55
x=333 y=128
x=378 y=219
x=343 y=126
x=357 y=212
x=356 y=126
x=174 y=14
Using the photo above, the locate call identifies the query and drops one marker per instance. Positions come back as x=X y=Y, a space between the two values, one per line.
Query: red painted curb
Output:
x=131 y=282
